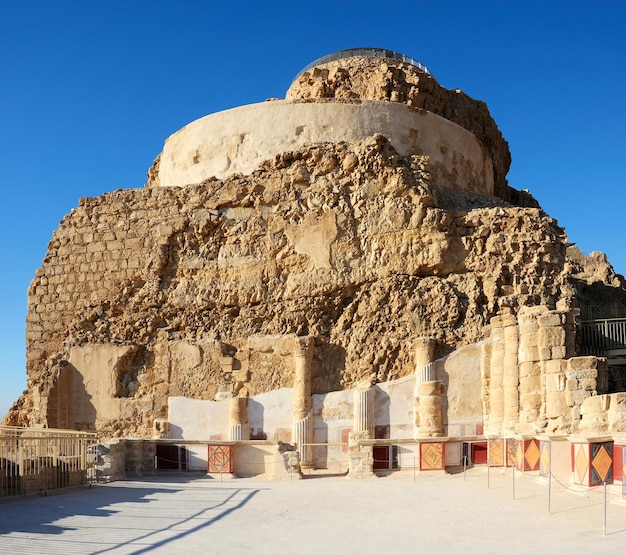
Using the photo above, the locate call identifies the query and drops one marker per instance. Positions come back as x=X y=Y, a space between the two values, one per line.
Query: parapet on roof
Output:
x=369 y=52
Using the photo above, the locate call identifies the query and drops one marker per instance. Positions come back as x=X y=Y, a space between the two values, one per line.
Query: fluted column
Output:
x=239 y=430
x=302 y=402
x=424 y=349
x=364 y=410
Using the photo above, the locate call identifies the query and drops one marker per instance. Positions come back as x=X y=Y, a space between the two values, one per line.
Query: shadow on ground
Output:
x=42 y=516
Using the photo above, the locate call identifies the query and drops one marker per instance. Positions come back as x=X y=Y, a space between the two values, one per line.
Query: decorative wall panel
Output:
x=432 y=456
x=220 y=459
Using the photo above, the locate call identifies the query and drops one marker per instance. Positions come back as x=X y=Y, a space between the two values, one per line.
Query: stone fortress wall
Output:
x=348 y=264
x=148 y=271
x=238 y=140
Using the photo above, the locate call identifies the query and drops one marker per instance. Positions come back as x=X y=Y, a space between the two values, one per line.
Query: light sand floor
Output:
x=433 y=513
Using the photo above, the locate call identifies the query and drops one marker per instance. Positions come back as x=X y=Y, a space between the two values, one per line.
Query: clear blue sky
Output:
x=89 y=90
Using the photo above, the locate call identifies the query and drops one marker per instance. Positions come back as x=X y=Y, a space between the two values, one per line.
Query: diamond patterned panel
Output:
x=531 y=455
x=220 y=459
x=431 y=456
x=580 y=464
x=601 y=463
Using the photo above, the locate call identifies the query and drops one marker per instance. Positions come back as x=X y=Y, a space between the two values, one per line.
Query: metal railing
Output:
x=37 y=460
x=369 y=52
x=597 y=337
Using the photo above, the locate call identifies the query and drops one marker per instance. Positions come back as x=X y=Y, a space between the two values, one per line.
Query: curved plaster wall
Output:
x=237 y=140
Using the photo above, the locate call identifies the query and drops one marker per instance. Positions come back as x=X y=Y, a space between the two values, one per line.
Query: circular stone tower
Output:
x=348 y=96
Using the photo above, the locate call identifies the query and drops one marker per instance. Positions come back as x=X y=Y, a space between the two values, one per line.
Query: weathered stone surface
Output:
x=204 y=292
x=194 y=272
x=364 y=78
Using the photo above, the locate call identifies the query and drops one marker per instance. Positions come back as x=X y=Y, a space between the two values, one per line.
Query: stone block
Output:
x=552 y=319
x=545 y=353
x=582 y=363
x=530 y=384
x=95 y=247
x=556 y=406
x=559 y=352
x=551 y=337
x=530 y=401
x=114 y=245
x=496 y=322
x=510 y=360
x=576 y=397
x=528 y=353
x=510 y=378
x=528 y=338
x=581 y=375
x=525 y=327
x=529 y=369
x=596 y=404
x=555 y=366
x=509 y=323
x=555 y=382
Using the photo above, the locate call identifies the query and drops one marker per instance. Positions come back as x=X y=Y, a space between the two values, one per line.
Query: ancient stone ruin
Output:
x=344 y=275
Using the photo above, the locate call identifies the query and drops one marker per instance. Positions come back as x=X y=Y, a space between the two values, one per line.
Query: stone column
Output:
x=551 y=344
x=302 y=402
x=364 y=410
x=424 y=372
x=485 y=372
x=510 y=377
x=361 y=455
x=530 y=383
x=424 y=352
x=430 y=410
x=496 y=381
x=554 y=337
x=239 y=430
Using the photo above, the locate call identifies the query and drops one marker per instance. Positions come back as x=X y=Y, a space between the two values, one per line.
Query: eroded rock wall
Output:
x=362 y=77
x=201 y=290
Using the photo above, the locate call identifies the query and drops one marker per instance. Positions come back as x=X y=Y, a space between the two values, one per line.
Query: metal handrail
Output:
x=369 y=52
x=602 y=335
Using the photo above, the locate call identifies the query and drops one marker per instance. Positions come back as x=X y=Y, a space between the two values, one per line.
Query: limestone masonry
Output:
x=340 y=267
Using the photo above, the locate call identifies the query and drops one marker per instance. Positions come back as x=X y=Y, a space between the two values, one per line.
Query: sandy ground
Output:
x=433 y=513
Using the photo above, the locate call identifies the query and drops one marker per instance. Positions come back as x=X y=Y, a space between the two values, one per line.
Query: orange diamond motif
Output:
x=532 y=455
x=602 y=463
x=581 y=464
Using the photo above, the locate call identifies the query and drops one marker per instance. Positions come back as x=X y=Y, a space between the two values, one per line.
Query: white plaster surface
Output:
x=198 y=456
x=272 y=413
x=461 y=376
x=196 y=419
x=93 y=383
x=332 y=413
x=237 y=140
x=408 y=456
x=395 y=407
